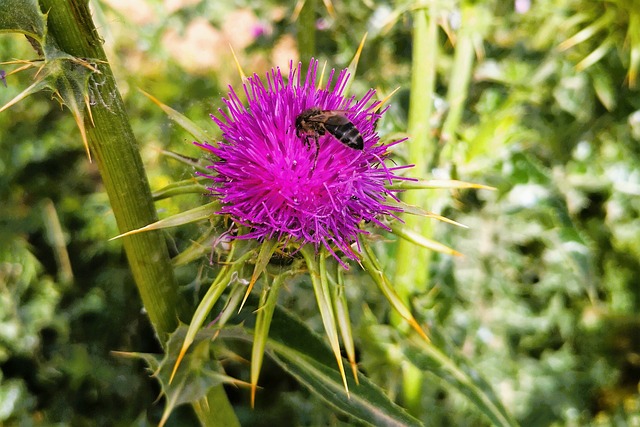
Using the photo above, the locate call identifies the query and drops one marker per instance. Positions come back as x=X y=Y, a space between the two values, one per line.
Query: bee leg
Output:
x=315 y=157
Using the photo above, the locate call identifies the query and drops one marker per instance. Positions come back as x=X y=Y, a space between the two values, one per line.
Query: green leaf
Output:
x=268 y=301
x=459 y=375
x=266 y=251
x=220 y=283
x=437 y=184
x=418 y=239
x=339 y=297
x=192 y=215
x=196 y=131
x=304 y=354
x=318 y=274
x=22 y=16
x=187 y=186
x=372 y=266
x=200 y=372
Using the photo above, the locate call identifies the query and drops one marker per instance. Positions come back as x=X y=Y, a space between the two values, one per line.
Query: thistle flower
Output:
x=275 y=180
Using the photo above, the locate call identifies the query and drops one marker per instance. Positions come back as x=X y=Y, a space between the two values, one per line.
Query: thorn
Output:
x=28 y=91
x=254 y=278
x=254 y=388
x=183 y=350
x=297 y=10
x=353 y=66
x=88 y=104
x=324 y=67
x=235 y=58
x=83 y=134
x=354 y=369
x=330 y=9
x=39 y=70
x=386 y=99
x=414 y=324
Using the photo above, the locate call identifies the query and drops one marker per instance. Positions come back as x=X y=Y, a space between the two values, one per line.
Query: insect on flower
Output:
x=270 y=181
x=315 y=122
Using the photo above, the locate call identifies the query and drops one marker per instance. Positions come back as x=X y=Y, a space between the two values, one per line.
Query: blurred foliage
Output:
x=544 y=303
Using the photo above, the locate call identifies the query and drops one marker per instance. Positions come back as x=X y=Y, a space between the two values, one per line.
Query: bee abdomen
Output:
x=347 y=134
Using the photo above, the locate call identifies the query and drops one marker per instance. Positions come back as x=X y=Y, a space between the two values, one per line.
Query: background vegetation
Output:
x=544 y=304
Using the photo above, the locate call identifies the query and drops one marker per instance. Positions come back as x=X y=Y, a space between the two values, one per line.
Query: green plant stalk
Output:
x=115 y=150
x=412 y=263
x=306 y=30
x=460 y=74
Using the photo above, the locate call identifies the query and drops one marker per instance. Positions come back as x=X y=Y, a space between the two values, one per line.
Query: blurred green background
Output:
x=544 y=302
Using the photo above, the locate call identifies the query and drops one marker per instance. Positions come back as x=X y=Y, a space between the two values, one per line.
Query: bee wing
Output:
x=330 y=117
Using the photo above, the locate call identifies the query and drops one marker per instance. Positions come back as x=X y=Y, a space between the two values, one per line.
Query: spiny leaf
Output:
x=196 y=131
x=297 y=9
x=216 y=289
x=416 y=210
x=386 y=99
x=318 y=274
x=268 y=301
x=37 y=86
x=68 y=78
x=418 y=239
x=372 y=267
x=189 y=161
x=306 y=356
x=463 y=378
x=633 y=36
x=199 y=374
x=437 y=184
x=192 y=215
x=587 y=32
x=23 y=16
x=266 y=252
x=205 y=244
x=353 y=66
x=596 y=55
x=188 y=186
x=341 y=307
x=241 y=72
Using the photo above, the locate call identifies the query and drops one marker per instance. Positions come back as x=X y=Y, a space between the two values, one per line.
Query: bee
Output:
x=315 y=122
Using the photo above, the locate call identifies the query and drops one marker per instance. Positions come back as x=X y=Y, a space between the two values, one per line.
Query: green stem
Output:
x=412 y=271
x=307 y=31
x=412 y=263
x=460 y=76
x=115 y=150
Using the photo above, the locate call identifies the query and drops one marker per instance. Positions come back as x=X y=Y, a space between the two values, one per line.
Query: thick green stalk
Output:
x=412 y=271
x=115 y=150
x=412 y=263
x=461 y=72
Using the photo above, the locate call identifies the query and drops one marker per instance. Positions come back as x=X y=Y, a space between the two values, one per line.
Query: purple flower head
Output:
x=273 y=179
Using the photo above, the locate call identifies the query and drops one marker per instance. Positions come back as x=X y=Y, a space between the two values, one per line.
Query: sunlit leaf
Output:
x=373 y=268
x=305 y=356
x=196 y=131
x=205 y=306
x=268 y=301
x=437 y=184
x=23 y=16
x=182 y=218
x=418 y=239
x=318 y=274
x=200 y=371
x=461 y=377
